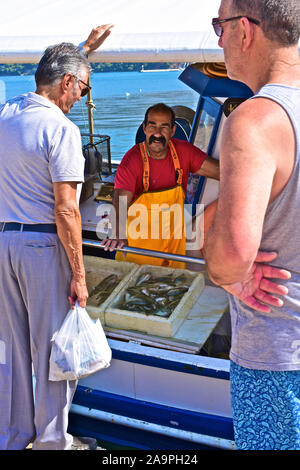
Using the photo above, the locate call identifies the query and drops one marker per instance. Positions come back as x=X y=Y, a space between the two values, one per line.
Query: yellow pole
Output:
x=91 y=107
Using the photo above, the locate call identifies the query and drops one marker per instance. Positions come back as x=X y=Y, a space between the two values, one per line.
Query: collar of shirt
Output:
x=42 y=101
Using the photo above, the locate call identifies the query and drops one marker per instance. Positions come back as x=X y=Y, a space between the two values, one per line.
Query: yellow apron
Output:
x=155 y=220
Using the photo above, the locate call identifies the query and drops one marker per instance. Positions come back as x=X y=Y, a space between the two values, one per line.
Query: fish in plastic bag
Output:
x=79 y=348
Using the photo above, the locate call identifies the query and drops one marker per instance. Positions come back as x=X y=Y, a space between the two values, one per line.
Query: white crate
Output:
x=153 y=324
x=97 y=269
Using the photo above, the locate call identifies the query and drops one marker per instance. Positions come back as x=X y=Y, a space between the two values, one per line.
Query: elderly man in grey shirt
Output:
x=40 y=246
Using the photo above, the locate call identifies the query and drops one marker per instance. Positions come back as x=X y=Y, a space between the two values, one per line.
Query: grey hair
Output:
x=280 y=19
x=58 y=60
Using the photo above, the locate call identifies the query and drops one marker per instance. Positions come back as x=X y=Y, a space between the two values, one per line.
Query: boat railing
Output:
x=143 y=252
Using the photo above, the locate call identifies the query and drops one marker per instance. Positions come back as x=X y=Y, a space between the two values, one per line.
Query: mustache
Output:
x=161 y=139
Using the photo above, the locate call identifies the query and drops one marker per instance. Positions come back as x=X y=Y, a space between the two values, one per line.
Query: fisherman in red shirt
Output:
x=152 y=178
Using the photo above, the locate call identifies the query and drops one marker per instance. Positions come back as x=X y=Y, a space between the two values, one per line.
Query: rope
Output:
x=85 y=124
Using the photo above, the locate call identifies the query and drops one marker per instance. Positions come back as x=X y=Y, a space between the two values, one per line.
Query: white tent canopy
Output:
x=144 y=31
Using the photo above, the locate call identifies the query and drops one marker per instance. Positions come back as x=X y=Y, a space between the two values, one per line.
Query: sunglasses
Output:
x=84 y=91
x=216 y=23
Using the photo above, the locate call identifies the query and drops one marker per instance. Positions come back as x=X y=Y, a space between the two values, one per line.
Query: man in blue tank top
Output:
x=258 y=212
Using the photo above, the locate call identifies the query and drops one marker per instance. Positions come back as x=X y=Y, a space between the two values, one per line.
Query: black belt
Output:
x=17 y=227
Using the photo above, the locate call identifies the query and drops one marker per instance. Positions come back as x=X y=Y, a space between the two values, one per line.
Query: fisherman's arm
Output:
x=210 y=168
x=121 y=202
x=68 y=222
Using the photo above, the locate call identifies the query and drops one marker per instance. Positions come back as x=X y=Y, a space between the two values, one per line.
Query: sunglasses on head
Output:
x=216 y=23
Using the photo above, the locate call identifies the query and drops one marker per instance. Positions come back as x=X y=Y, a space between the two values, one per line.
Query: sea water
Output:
x=120 y=99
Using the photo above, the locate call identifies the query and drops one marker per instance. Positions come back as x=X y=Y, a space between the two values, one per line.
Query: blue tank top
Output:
x=271 y=341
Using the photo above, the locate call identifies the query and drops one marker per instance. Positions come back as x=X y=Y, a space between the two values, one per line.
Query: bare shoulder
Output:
x=259 y=142
x=259 y=117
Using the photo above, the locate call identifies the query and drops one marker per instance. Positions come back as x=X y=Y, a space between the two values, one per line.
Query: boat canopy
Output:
x=144 y=30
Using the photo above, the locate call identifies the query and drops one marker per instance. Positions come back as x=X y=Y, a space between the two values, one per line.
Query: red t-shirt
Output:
x=129 y=175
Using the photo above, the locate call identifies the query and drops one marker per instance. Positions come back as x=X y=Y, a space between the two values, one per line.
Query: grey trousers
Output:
x=34 y=285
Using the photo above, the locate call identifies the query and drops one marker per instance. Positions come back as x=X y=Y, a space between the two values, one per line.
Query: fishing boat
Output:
x=178 y=391
x=160 y=392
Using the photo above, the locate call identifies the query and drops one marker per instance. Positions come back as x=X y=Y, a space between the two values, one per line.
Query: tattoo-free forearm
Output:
x=68 y=221
x=121 y=202
x=210 y=168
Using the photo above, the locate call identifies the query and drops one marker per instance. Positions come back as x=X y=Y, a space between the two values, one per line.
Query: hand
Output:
x=256 y=289
x=97 y=37
x=113 y=244
x=79 y=292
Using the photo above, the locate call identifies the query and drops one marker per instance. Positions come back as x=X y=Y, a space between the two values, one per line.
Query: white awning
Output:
x=144 y=31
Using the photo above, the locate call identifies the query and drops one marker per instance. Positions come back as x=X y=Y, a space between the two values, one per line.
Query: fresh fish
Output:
x=177 y=291
x=161 y=300
x=96 y=289
x=180 y=279
x=162 y=313
x=105 y=287
x=143 y=278
x=155 y=295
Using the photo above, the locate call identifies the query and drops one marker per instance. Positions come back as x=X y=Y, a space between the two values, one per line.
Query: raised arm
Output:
x=97 y=37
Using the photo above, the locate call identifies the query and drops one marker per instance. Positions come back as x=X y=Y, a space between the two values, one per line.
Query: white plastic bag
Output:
x=79 y=348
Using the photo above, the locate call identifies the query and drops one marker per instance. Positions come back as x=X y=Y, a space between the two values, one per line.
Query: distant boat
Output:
x=161 y=70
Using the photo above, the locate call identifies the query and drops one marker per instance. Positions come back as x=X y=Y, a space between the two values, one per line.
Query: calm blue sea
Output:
x=121 y=99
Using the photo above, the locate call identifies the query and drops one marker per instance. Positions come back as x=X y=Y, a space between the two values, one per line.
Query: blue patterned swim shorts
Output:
x=266 y=408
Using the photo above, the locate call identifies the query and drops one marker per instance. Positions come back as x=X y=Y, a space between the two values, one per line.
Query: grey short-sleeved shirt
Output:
x=39 y=146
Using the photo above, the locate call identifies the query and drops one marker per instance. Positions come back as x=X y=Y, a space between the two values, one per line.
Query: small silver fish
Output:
x=143 y=278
